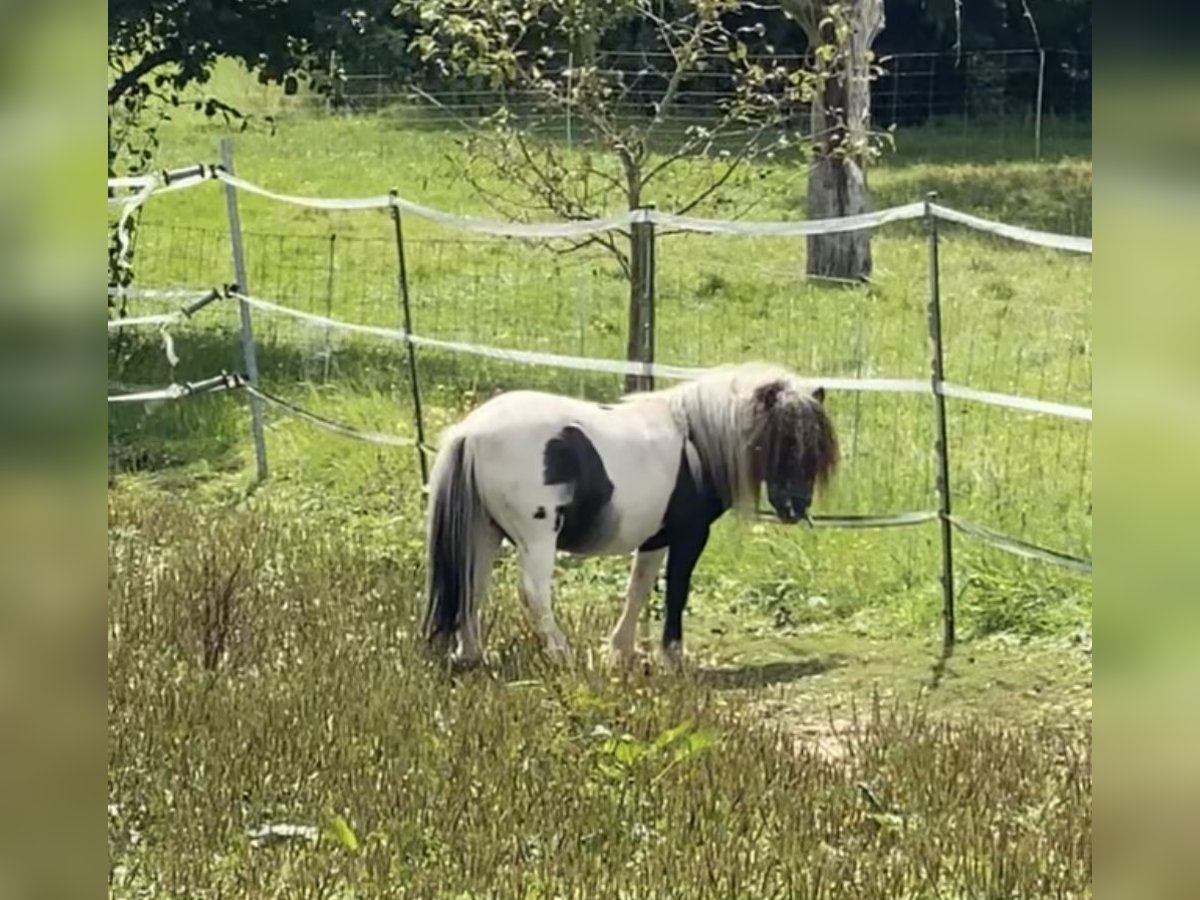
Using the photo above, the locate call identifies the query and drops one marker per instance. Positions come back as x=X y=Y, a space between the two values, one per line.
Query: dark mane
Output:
x=744 y=418
x=789 y=419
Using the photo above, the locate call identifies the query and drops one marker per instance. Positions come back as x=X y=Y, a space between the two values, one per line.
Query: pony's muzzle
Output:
x=792 y=514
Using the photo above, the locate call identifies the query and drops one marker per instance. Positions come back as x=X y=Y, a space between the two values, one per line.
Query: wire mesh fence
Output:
x=718 y=299
x=711 y=308
x=1027 y=101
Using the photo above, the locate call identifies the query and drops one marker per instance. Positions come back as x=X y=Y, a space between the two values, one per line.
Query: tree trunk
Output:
x=837 y=186
x=841 y=117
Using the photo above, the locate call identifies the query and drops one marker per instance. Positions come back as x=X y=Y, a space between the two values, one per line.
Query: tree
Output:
x=158 y=49
x=546 y=58
x=843 y=33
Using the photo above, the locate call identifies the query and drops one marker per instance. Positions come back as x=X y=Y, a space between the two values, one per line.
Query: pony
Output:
x=647 y=476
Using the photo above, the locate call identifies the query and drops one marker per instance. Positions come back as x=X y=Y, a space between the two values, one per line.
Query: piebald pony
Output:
x=648 y=475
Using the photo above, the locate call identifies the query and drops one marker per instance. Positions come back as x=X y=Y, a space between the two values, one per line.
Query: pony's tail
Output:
x=456 y=515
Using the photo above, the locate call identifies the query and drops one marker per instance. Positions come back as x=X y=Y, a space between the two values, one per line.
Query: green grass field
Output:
x=262 y=664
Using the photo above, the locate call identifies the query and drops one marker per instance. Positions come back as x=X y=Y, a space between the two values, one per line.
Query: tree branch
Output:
x=130 y=77
x=718 y=183
x=676 y=79
x=694 y=143
x=608 y=243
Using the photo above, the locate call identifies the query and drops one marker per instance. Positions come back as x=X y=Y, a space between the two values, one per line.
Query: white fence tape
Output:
x=170 y=392
x=137 y=293
x=370 y=437
x=147 y=185
x=883 y=520
x=789 y=229
x=128 y=207
x=521 y=229
x=391 y=334
x=141 y=321
x=378 y=202
x=132 y=181
x=661 y=370
x=141 y=187
x=589 y=226
x=1018 y=547
x=1069 y=242
x=1026 y=404
x=223 y=382
x=580 y=363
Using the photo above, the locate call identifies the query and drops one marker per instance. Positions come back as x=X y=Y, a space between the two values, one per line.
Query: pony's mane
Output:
x=723 y=414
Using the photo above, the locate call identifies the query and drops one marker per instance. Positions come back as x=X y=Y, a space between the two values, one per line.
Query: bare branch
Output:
x=700 y=139
x=715 y=185
x=606 y=241
x=683 y=61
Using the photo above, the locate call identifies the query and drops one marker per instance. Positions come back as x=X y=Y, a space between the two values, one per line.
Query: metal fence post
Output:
x=896 y=91
x=239 y=274
x=1037 y=120
x=328 y=355
x=406 y=310
x=570 y=96
x=939 y=416
x=640 y=346
x=649 y=336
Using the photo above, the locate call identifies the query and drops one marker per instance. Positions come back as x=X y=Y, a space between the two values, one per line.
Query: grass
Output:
x=263 y=670
x=261 y=660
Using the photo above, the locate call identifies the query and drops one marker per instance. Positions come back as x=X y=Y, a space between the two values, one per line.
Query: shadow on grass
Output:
x=754 y=675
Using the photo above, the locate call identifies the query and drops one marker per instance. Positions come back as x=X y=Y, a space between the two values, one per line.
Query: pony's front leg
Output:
x=537 y=572
x=681 y=562
x=646 y=564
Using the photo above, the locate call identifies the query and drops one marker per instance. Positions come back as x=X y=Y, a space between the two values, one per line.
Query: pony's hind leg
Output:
x=537 y=572
x=470 y=634
x=641 y=579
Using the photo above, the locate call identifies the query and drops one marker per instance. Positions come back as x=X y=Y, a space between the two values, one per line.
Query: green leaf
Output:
x=342 y=831
x=697 y=742
x=668 y=737
x=628 y=752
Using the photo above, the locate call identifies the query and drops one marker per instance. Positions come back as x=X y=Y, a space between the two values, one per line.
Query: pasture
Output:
x=263 y=660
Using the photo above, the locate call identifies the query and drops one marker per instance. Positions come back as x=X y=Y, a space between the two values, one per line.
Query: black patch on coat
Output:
x=691 y=510
x=690 y=507
x=540 y=513
x=570 y=458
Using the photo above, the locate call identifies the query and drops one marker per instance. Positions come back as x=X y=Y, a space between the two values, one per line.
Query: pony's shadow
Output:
x=753 y=675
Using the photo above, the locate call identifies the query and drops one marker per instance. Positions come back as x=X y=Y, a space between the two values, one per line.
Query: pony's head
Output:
x=754 y=424
x=792 y=444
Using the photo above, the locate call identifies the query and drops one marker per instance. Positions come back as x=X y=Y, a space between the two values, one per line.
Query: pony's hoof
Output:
x=673 y=656
x=460 y=663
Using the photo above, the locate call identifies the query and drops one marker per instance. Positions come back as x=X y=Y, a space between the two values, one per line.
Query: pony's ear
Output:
x=819 y=394
x=767 y=395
